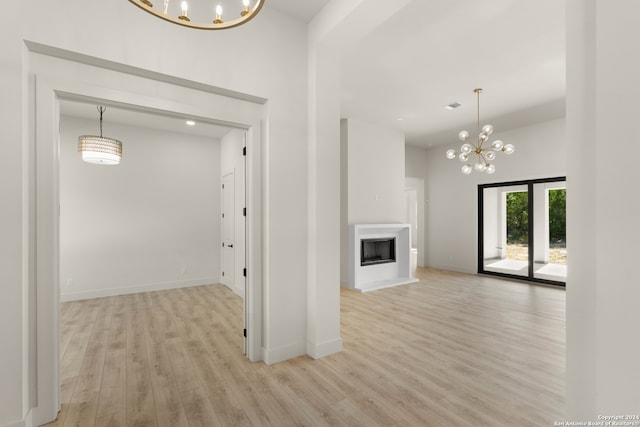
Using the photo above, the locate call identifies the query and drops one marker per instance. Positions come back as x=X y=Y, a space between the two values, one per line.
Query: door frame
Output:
x=117 y=84
x=531 y=208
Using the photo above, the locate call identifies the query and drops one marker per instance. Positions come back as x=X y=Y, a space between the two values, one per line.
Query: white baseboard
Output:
x=345 y=284
x=283 y=353
x=326 y=348
x=26 y=422
x=136 y=289
x=454 y=268
x=236 y=290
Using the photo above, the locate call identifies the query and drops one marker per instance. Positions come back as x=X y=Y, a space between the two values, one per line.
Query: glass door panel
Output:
x=506 y=230
x=550 y=246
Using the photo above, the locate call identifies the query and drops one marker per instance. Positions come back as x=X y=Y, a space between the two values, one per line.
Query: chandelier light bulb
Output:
x=463 y=135
x=466 y=148
x=245 y=7
x=488 y=129
x=466 y=169
x=490 y=169
x=508 y=149
x=497 y=144
x=480 y=167
x=185 y=8
x=489 y=155
x=218 y=19
x=451 y=154
x=463 y=157
x=483 y=137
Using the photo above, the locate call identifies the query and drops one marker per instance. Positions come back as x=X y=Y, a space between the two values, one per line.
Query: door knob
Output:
x=229 y=246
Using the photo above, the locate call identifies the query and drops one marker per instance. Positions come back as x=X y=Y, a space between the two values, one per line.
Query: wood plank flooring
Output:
x=450 y=350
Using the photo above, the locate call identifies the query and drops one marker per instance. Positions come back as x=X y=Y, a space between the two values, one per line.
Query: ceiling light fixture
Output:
x=100 y=150
x=190 y=123
x=483 y=155
x=180 y=15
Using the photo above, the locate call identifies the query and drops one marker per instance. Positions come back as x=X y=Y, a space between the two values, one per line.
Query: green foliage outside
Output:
x=518 y=217
x=557 y=217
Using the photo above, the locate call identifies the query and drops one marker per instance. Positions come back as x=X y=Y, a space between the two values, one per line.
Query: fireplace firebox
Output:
x=377 y=251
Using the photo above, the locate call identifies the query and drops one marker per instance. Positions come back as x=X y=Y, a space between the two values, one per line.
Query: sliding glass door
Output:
x=521 y=230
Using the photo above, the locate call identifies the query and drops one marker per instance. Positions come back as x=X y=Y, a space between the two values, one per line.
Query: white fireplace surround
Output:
x=366 y=278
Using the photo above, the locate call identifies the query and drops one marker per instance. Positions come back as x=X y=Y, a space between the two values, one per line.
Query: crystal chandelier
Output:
x=210 y=12
x=479 y=154
x=100 y=150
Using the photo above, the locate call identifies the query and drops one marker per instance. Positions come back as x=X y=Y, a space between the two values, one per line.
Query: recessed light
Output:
x=452 y=106
x=190 y=123
x=400 y=119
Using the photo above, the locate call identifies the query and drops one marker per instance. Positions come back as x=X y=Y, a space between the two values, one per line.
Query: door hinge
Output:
x=244 y=211
x=244 y=151
x=244 y=272
x=223 y=186
x=223 y=244
x=222 y=215
x=223 y=274
x=245 y=332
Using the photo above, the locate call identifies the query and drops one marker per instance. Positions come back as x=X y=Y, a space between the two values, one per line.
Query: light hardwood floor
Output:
x=451 y=350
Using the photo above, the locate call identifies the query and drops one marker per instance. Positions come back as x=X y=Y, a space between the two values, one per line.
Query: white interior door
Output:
x=228 y=230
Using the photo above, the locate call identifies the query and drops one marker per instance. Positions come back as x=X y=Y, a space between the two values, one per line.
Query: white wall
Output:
x=603 y=367
x=451 y=197
x=151 y=222
x=267 y=58
x=373 y=179
x=375 y=176
x=232 y=160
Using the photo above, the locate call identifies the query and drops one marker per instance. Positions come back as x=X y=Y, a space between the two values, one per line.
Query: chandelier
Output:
x=100 y=150
x=211 y=12
x=481 y=154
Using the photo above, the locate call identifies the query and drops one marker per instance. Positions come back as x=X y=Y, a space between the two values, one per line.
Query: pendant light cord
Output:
x=478 y=92
x=101 y=110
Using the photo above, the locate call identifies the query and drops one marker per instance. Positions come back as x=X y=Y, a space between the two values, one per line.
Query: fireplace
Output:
x=379 y=256
x=377 y=251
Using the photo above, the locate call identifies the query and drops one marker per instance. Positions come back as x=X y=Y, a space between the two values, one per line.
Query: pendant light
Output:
x=100 y=150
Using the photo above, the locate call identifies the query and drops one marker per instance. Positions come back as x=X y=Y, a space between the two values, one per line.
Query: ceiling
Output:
x=433 y=53
x=162 y=121
x=303 y=10
x=430 y=54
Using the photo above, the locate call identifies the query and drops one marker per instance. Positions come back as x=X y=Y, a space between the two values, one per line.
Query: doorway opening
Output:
x=415 y=217
x=53 y=80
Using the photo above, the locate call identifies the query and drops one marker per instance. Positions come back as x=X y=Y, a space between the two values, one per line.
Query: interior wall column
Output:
x=603 y=367
x=323 y=327
x=332 y=33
